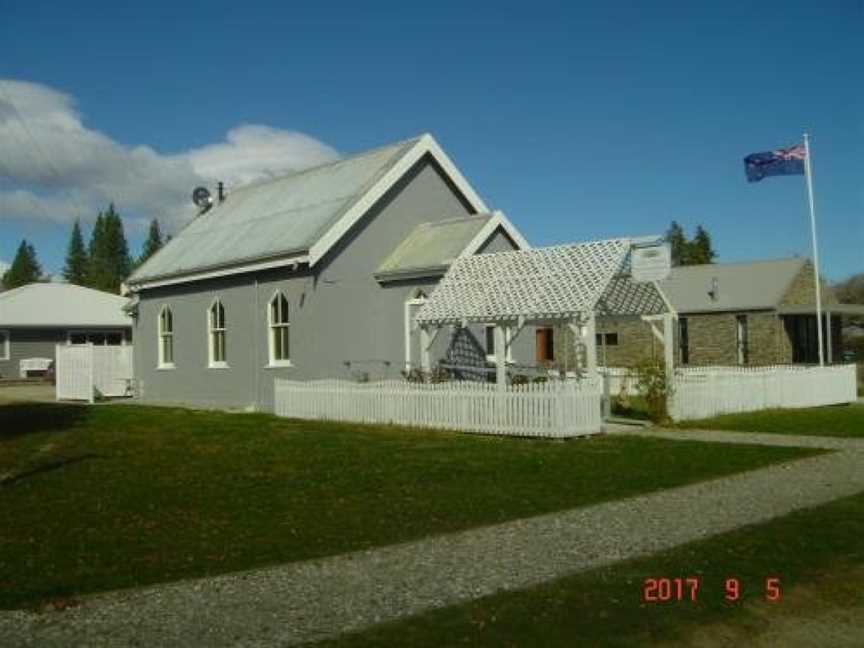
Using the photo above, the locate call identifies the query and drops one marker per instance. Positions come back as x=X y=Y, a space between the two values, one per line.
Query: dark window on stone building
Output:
x=683 y=341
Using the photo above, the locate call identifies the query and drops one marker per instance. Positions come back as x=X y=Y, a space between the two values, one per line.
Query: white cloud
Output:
x=3 y=267
x=57 y=169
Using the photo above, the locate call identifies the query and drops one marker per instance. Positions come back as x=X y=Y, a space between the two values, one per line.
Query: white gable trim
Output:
x=221 y=272
x=425 y=145
x=498 y=220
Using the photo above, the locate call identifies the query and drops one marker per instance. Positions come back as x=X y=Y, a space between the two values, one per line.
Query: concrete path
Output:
x=755 y=438
x=301 y=602
x=23 y=393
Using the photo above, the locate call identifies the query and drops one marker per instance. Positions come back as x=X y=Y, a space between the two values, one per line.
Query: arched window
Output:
x=280 y=322
x=216 y=321
x=166 y=338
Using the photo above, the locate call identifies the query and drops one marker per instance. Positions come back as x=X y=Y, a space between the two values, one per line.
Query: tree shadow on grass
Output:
x=48 y=466
x=21 y=419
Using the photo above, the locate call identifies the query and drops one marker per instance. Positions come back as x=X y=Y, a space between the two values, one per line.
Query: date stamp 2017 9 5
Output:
x=688 y=588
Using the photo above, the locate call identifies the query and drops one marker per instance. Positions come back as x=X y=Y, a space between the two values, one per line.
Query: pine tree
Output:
x=701 y=250
x=110 y=263
x=678 y=243
x=121 y=261
x=25 y=267
x=96 y=266
x=75 y=270
x=153 y=242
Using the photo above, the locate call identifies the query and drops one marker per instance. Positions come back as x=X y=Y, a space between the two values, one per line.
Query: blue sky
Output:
x=578 y=121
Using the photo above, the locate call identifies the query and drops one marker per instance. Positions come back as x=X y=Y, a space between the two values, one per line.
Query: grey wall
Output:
x=34 y=343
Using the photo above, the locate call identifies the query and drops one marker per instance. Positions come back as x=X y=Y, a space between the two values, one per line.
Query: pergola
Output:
x=564 y=284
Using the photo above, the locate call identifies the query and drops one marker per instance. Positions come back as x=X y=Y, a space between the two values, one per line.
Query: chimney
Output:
x=714 y=290
x=220 y=191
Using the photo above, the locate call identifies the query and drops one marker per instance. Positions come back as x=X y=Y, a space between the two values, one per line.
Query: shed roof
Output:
x=755 y=285
x=295 y=217
x=559 y=282
x=53 y=305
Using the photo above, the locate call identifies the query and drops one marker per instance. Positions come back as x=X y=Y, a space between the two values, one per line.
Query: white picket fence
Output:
x=551 y=409
x=701 y=392
x=84 y=371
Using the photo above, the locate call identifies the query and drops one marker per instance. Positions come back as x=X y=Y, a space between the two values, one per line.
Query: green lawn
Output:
x=817 y=554
x=839 y=421
x=96 y=498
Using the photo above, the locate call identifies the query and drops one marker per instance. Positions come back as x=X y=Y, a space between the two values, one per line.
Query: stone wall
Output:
x=802 y=290
x=712 y=336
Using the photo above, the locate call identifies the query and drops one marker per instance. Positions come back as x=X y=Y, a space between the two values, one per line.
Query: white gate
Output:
x=84 y=371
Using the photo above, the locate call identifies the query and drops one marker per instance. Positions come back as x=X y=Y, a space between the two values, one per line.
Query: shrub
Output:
x=655 y=387
x=437 y=375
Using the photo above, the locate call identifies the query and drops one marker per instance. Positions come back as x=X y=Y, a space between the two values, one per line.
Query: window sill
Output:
x=218 y=365
x=279 y=364
x=493 y=360
x=166 y=367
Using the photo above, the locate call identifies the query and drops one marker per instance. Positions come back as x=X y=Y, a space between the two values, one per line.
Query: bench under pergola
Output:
x=563 y=284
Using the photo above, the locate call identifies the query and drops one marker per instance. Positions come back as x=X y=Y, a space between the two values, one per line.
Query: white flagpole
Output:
x=808 y=172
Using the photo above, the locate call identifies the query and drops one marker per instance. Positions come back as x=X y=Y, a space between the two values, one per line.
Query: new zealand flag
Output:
x=788 y=161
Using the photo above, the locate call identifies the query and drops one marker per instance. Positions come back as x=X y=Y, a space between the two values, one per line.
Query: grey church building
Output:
x=312 y=275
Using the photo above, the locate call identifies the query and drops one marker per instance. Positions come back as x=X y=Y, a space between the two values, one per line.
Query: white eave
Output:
x=252 y=266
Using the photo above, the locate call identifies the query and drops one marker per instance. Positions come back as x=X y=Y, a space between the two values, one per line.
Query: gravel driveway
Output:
x=300 y=602
x=36 y=392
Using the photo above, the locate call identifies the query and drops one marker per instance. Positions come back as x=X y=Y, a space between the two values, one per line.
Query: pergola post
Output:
x=425 y=343
x=589 y=339
x=500 y=357
x=668 y=345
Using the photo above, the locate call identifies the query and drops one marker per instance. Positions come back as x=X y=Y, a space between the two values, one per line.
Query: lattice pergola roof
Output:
x=553 y=283
x=623 y=296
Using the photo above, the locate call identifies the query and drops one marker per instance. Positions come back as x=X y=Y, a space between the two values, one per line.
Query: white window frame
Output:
x=212 y=332
x=742 y=339
x=274 y=327
x=162 y=336
x=490 y=357
x=6 y=346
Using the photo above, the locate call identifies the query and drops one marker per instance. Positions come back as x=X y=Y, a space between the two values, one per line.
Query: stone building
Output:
x=757 y=313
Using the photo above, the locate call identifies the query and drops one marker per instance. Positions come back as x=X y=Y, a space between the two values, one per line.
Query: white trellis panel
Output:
x=552 y=409
x=710 y=391
x=112 y=369
x=83 y=371
x=73 y=372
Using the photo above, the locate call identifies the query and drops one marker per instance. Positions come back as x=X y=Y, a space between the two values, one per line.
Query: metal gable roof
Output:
x=755 y=285
x=294 y=219
x=63 y=305
x=272 y=218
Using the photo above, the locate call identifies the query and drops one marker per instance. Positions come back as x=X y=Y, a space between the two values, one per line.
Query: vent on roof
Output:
x=220 y=191
x=714 y=289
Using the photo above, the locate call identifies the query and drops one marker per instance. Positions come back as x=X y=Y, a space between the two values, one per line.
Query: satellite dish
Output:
x=202 y=198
